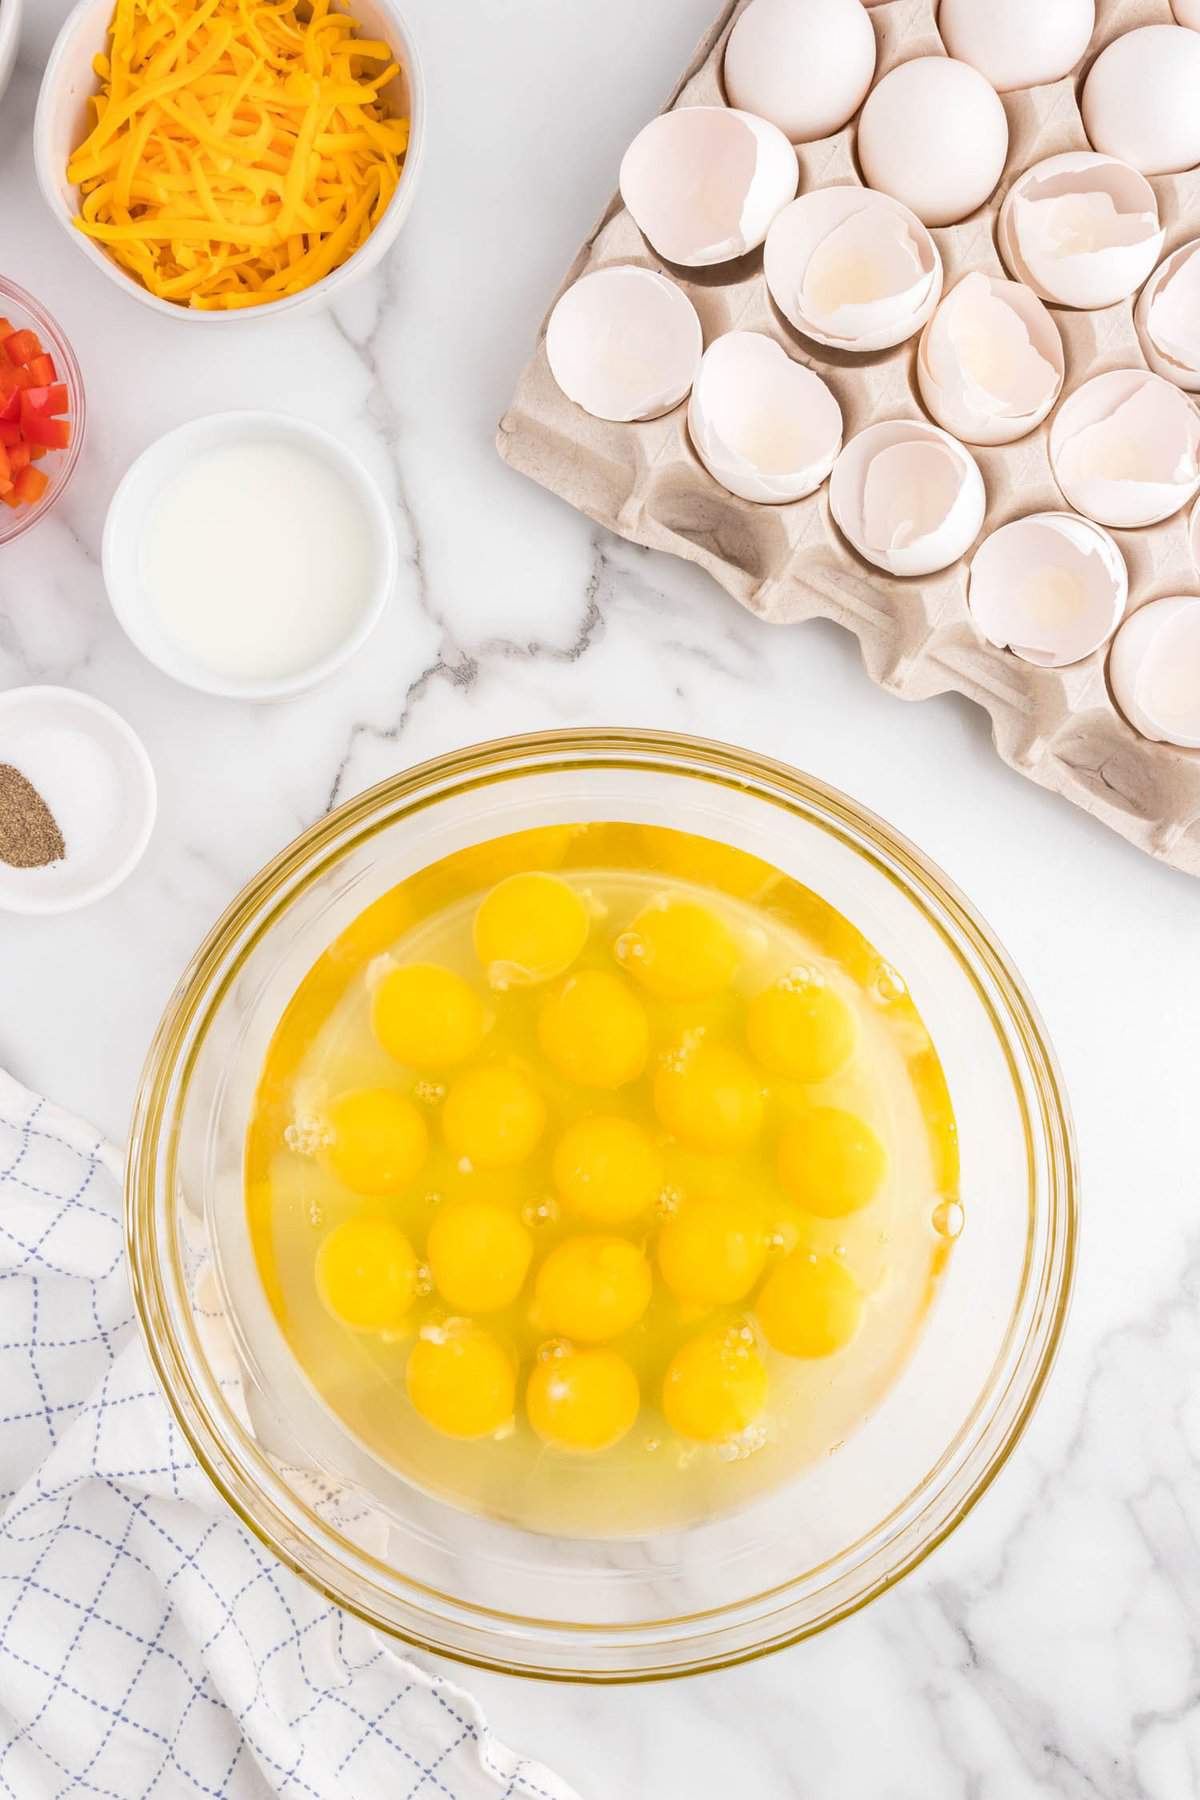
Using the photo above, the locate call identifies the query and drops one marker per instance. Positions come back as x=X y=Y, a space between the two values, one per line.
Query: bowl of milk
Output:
x=249 y=554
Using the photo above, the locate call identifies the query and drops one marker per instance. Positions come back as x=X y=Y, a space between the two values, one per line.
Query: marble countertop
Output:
x=1052 y=1646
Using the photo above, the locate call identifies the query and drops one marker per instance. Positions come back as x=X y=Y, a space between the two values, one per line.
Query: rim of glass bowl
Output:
x=61 y=469
x=558 y=1649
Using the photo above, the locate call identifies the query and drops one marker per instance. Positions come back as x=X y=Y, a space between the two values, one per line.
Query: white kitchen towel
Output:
x=150 y=1648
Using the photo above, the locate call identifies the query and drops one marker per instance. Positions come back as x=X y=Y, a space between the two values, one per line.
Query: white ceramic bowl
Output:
x=10 y=37
x=92 y=771
x=139 y=489
x=61 y=124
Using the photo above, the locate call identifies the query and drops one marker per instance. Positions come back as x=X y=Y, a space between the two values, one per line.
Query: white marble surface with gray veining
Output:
x=1052 y=1647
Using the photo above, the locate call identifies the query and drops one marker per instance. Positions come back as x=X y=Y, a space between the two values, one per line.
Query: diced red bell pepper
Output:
x=19 y=457
x=43 y=371
x=43 y=402
x=21 y=347
x=10 y=433
x=36 y=451
x=30 y=485
x=54 y=434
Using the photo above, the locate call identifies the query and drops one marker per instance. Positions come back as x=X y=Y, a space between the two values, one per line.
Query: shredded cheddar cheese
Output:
x=240 y=150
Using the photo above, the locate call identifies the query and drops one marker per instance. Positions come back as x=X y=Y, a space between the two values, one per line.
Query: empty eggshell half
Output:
x=704 y=182
x=1080 y=229
x=1125 y=448
x=804 y=64
x=907 y=496
x=1154 y=669
x=1017 y=43
x=1051 y=588
x=1168 y=318
x=624 y=343
x=763 y=425
x=934 y=134
x=852 y=269
x=990 y=363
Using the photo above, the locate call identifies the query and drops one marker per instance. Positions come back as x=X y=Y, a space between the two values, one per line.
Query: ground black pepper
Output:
x=29 y=833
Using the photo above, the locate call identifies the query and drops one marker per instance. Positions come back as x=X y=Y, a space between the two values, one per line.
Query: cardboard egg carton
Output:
x=644 y=481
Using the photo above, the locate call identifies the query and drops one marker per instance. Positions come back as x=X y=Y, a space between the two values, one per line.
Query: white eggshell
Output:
x=1194 y=535
x=624 y=343
x=804 y=64
x=851 y=268
x=704 y=182
x=1168 y=318
x=1125 y=448
x=763 y=425
x=990 y=363
x=907 y=496
x=1050 y=587
x=1080 y=229
x=934 y=134
x=1141 y=100
x=1154 y=669
x=1017 y=43
x=1187 y=12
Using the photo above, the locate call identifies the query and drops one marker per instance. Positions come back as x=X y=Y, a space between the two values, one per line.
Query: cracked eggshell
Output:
x=990 y=363
x=934 y=134
x=624 y=343
x=852 y=269
x=805 y=65
x=1125 y=448
x=1017 y=43
x=704 y=182
x=907 y=496
x=1080 y=229
x=763 y=425
x=1051 y=588
x=1139 y=101
x=1154 y=670
x=1168 y=318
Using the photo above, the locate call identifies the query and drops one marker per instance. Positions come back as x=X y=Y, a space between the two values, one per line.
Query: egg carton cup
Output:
x=1059 y=727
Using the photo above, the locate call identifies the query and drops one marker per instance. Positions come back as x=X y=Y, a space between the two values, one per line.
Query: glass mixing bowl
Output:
x=485 y=1591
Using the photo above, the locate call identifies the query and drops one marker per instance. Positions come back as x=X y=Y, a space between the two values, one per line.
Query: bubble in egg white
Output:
x=704 y=182
x=1154 y=670
x=1141 y=99
x=1051 y=588
x=763 y=425
x=1080 y=229
x=907 y=496
x=934 y=134
x=990 y=363
x=852 y=269
x=1017 y=43
x=624 y=343
x=804 y=64
x=1125 y=448
x=1168 y=318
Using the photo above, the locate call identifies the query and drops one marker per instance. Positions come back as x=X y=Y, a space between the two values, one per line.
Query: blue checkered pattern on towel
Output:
x=150 y=1649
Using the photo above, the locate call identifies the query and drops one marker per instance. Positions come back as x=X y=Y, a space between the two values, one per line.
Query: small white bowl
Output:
x=62 y=122
x=92 y=771
x=10 y=37
x=140 y=488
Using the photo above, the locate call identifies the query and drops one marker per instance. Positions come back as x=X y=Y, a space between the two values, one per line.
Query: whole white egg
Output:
x=805 y=65
x=1187 y=12
x=1019 y=43
x=1141 y=100
x=934 y=134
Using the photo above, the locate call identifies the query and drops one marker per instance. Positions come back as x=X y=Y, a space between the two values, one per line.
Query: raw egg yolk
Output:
x=678 y=950
x=712 y=1252
x=809 y=1305
x=367 y=1274
x=715 y=1385
x=493 y=1117
x=800 y=1029
x=706 y=861
x=592 y=1288
x=582 y=1399
x=479 y=1254
x=427 y=1016
x=709 y=1096
x=529 y=929
x=461 y=1380
x=831 y=1162
x=376 y=1140
x=607 y=1169
x=593 y=1030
